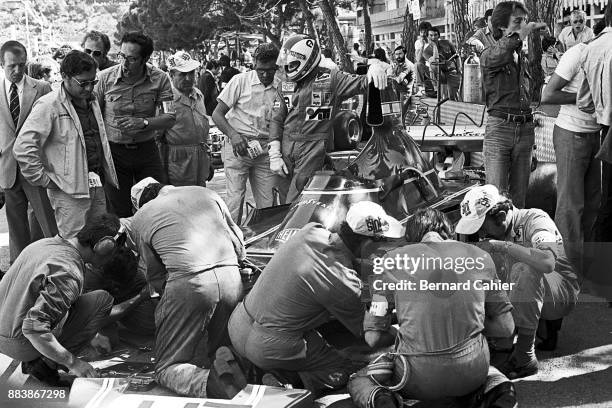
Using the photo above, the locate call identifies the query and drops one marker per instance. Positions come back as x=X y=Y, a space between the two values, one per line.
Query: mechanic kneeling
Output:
x=546 y=283
x=309 y=279
x=441 y=350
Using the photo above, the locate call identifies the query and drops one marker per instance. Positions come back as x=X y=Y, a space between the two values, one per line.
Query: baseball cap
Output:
x=475 y=206
x=138 y=188
x=370 y=219
x=182 y=61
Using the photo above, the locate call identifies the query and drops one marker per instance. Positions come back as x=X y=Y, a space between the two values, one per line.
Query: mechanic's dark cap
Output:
x=266 y=51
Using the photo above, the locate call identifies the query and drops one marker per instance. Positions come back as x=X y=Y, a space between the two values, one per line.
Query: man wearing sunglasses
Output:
x=577 y=32
x=62 y=147
x=98 y=45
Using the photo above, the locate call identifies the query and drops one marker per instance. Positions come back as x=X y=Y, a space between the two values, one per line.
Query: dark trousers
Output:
x=132 y=164
x=603 y=225
x=21 y=232
x=84 y=320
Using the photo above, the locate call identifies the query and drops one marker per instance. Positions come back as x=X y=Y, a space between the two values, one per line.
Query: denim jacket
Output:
x=501 y=74
x=51 y=146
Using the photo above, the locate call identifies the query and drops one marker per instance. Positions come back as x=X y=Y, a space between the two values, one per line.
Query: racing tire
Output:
x=347 y=131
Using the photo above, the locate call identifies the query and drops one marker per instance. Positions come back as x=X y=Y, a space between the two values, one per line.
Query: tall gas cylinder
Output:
x=472 y=80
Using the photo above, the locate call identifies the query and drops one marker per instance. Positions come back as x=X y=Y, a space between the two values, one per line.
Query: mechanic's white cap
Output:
x=370 y=219
x=475 y=206
x=138 y=188
x=182 y=62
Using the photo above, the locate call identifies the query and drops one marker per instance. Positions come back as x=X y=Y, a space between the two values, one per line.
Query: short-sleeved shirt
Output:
x=119 y=99
x=250 y=104
x=569 y=39
x=40 y=288
x=435 y=320
x=184 y=231
x=191 y=126
x=533 y=227
x=309 y=279
x=570 y=117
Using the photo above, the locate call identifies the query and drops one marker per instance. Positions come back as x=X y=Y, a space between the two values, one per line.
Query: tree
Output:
x=172 y=24
x=540 y=10
x=461 y=19
x=410 y=31
x=335 y=35
x=367 y=23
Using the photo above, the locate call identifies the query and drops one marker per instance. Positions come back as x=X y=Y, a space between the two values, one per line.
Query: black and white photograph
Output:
x=305 y=203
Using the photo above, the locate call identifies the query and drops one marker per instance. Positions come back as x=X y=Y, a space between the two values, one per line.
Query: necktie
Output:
x=14 y=104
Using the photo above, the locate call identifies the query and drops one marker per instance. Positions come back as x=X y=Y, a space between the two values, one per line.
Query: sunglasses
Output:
x=95 y=53
x=577 y=21
x=85 y=84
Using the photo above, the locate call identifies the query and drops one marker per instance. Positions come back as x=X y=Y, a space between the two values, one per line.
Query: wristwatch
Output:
x=146 y=123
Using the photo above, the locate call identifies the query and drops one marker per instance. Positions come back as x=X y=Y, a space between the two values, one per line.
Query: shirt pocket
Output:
x=144 y=103
x=118 y=104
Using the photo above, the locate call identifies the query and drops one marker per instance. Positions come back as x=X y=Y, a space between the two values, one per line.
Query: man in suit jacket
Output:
x=209 y=87
x=17 y=95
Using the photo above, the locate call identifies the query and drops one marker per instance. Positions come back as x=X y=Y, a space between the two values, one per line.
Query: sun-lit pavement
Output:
x=577 y=374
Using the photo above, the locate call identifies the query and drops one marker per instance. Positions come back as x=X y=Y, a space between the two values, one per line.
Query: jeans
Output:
x=578 y=189
x=239 y=169
x=507 y=150
x=22 y=232
x=435 y=376
x=132 y=165
x=71 y=213
x=84 y=321
x=191 y=323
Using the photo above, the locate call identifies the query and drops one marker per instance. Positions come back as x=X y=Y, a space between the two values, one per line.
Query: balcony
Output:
x=388 y=17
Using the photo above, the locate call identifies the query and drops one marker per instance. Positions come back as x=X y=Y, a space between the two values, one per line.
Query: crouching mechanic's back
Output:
x=445 y=306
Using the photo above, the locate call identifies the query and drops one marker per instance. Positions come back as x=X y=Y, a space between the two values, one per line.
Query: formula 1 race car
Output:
x=390 y=170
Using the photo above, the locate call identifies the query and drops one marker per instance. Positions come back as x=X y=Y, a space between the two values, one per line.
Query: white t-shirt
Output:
x=570 y=117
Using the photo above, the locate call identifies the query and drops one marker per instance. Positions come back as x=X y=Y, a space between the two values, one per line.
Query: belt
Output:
x=509 y=117
x=131 y=146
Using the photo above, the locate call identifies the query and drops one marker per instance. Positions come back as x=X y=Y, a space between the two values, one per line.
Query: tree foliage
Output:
x=173 y=24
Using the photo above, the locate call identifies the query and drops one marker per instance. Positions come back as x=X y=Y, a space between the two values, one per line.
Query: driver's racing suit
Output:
x=302 y=120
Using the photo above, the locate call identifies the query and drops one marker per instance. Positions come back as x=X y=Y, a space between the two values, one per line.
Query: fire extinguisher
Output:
x=472 y=80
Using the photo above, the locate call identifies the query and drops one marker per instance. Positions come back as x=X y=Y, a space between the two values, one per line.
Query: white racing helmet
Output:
x=299 y=56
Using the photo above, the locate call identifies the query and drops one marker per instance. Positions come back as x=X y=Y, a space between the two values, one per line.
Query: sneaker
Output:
x=513 y=371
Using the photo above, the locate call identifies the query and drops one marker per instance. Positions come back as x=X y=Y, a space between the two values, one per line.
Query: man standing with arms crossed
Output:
x=136 y=100
x=243 y=115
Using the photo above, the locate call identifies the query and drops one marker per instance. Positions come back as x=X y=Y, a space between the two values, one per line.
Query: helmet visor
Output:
x=292 y=66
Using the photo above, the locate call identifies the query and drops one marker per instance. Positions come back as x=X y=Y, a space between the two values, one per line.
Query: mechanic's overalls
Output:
x=302 y=120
